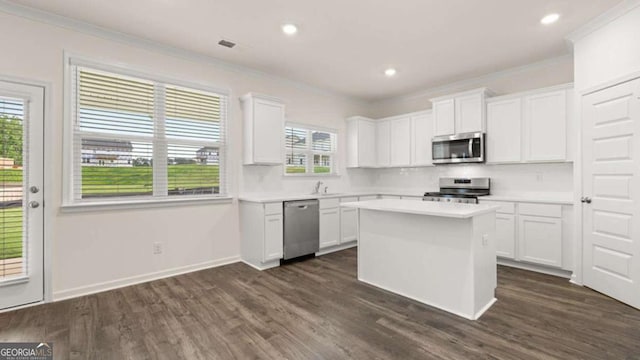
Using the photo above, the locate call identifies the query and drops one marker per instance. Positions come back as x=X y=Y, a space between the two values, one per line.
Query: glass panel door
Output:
x=12 y=260
x=21 y=181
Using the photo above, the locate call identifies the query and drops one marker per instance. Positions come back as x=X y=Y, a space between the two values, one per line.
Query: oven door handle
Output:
x=471 y=148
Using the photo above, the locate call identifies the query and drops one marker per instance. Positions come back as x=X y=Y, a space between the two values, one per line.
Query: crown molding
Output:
x=602 y=20
x=68 y=23
x=456 y=86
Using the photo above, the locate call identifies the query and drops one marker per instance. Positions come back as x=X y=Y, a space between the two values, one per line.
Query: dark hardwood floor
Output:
x=318 y=310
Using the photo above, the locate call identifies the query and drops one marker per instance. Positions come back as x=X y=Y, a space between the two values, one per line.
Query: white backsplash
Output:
x=270 y=179
x=505 y=179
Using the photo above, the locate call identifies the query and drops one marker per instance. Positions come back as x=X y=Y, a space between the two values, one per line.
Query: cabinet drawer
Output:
x=273 y=208
x=329 y=203
x=545 y=210
x=370 y=197
x=505 y=207
x=349 y=199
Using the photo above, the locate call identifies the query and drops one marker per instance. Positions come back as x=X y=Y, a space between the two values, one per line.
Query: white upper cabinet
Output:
x=504 y=131
x=421 y=132
x=361 y=142
x=545 y=121
x=535 y=126
x=383 y=143
x=444 y=117
x=400 y=141
x=263 y=130
x=470 y=113
x=459 y=113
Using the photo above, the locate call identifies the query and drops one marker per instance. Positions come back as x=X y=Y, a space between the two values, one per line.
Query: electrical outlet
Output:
x=485 y=239
x=539 y=177
x=157 y=248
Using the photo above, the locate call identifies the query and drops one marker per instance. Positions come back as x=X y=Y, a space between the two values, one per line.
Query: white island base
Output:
x=442 y=255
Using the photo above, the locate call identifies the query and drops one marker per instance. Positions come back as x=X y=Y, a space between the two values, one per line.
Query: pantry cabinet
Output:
x=263 y=129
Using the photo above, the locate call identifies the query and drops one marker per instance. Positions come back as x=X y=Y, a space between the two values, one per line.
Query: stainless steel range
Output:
x=460 y=190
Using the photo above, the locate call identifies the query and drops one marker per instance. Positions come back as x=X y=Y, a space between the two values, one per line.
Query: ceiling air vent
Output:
x=226 y=43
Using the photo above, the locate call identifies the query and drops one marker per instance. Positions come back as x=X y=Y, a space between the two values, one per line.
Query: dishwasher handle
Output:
x=302 y=204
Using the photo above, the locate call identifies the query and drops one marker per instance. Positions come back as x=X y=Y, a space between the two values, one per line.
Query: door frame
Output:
x=578 y=272
x=49 y=127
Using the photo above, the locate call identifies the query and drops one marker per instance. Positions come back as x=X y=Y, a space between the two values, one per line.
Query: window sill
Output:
x=141 y=204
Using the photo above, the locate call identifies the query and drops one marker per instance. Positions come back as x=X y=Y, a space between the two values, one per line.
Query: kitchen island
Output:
x=440 y=254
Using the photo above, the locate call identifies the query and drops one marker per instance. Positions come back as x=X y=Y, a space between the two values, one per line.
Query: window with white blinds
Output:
x=309 y=151
x=139 y=137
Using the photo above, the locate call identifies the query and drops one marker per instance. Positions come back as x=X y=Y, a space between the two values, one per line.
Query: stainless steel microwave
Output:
x=460 y=148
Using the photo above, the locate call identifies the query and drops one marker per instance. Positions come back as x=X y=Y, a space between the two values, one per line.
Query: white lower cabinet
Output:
x=329 y=227
x=348 y=224
x=506 y=235
x=262 y=233
x=273 y=237
x=534 y=233
x=540 y=240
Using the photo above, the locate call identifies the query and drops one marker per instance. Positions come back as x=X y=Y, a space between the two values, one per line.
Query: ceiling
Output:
x=345 y=46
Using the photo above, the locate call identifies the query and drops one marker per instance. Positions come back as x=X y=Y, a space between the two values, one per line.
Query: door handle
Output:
x=34 y=189
x=586 y=200
x=34 y=204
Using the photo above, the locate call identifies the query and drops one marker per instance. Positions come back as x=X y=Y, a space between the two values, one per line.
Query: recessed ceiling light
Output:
x=550 y=19
x=390 y=72
x=289 y=29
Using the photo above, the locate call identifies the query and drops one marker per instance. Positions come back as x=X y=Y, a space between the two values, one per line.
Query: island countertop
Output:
x=430 y=208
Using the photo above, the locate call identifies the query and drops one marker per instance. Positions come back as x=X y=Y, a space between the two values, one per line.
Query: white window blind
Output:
x=141 y=137
x=309 y=151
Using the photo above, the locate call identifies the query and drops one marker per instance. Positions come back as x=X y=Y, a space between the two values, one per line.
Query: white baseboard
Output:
x=264 y=266
x=428 y=303
x=337 y=248
x=536 y=268
x=484 y=309
x=138 y=279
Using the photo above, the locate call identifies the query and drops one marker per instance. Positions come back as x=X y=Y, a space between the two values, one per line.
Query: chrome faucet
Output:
x=316 y=190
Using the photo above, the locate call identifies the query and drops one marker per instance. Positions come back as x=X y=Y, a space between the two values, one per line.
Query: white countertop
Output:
x=545 y=198
x=275 y=197
x=562 y=198
x=430 y=208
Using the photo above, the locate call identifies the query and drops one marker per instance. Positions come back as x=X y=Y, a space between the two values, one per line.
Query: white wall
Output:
x=96 y=250
x=609 y=52
x=538 y=75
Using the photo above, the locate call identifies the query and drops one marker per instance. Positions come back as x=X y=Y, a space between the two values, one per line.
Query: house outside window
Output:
x=309 y=150
x=138 y=136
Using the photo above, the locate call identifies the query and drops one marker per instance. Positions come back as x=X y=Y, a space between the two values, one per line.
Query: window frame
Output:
x=72 y=157
x=309 y=152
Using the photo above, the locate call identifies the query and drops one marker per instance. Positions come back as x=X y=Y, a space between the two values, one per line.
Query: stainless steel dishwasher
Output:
x=301 y=228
